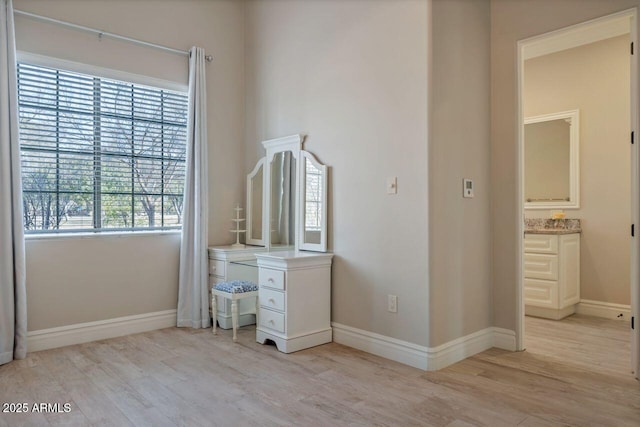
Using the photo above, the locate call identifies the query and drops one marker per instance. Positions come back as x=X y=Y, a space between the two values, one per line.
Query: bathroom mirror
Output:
x=551 y=164
x=312 y=226
x=255 y=190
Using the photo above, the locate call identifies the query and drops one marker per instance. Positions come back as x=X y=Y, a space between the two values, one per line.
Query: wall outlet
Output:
x=392 y=303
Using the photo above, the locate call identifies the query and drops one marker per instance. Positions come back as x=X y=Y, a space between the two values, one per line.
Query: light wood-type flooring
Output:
x=575 y=372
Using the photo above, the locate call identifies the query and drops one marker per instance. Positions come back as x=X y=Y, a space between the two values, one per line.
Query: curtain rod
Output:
x=101 y=33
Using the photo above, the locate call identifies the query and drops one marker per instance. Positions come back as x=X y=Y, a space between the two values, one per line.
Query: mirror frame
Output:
x=291 y=143
x=301 y=212
x=572 y=117
x=249 y=224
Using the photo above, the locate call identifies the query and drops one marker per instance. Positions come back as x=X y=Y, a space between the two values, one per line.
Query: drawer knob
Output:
x=271 y=321
x=272 y=301
x=270 y=280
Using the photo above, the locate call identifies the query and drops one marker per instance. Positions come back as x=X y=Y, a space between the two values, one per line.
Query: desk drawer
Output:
x=272 y=299
x=271 y=278
x=271 y=320
x=216 y=267
x=541 y=266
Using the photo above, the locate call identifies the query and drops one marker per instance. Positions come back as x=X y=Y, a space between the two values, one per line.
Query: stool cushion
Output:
x=236 y=286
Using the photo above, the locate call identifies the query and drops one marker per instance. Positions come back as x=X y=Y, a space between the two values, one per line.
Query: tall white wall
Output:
x=72 y=280
x=460 y=229
x=352 y=75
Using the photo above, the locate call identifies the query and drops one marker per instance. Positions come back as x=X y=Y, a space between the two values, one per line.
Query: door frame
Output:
x=533 y=43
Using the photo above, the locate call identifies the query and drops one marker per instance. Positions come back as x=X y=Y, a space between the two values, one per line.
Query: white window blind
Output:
x=99 y=154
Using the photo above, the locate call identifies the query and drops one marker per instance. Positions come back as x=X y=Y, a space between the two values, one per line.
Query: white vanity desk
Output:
x=287 y=231
x=294 y=302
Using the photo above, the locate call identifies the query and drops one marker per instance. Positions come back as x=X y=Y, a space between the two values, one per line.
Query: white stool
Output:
x=233 y=290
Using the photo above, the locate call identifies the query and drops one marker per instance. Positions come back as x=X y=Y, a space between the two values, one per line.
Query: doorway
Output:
x=556 y=74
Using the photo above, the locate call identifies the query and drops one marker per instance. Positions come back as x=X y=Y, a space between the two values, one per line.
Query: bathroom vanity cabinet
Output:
x=551 y=274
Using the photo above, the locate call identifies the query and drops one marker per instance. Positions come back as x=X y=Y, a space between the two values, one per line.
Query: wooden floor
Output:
x=590 y=342
x=190 y=377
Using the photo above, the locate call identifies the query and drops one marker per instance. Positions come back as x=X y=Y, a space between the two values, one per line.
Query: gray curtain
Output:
x=193 y=292
x=13 y=295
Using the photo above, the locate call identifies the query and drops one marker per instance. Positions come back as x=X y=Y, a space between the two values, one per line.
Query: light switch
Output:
x=467 y=188
x=392 y=185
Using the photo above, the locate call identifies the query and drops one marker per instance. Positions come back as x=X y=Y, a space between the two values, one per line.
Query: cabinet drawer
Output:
x=541 y=293
x=541 y=243
x=541 y=266
x=272 y=320
x=271 y=278
x=272 y=299
x=216 y=267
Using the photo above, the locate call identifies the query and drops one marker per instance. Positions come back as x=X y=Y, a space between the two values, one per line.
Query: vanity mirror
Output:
x=282 y=195
x=294 y=212
x=551 y=164
x=255 y=189
x=312 y=233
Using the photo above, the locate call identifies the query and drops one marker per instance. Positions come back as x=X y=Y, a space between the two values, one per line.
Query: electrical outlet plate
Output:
x=392 y=303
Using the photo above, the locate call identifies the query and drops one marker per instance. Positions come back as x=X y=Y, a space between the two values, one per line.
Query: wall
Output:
x=74 y=280
x=557 y=82
x=513 y=20
x=352 y=76
x=82 y=279
x=460 y=229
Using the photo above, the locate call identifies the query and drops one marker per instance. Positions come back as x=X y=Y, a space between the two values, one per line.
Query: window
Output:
x=99 y=154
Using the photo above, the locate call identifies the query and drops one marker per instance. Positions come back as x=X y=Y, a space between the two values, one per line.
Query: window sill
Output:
x=101 y=234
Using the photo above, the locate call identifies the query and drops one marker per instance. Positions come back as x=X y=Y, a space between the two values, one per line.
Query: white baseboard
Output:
x=425 y=358
x=607 y=310
x=504 y=339
x=79 y=333
x=456 y=350
x=381 y=345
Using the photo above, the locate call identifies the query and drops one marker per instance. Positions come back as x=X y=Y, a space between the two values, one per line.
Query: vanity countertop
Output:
x=552 y=230
x=551 y=226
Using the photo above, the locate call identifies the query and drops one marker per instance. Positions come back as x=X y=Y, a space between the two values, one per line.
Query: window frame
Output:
x=105 y=73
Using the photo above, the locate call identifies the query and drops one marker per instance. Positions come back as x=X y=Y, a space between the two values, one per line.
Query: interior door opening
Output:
x=578 y=174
